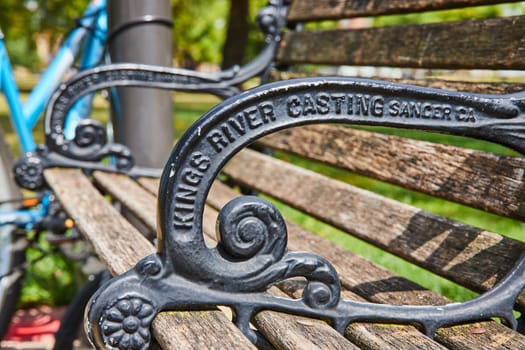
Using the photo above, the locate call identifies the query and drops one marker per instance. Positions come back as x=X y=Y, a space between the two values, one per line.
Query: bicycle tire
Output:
x=12 y=248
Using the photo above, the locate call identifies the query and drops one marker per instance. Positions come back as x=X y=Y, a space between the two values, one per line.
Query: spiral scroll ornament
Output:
x=249 y=226
x=90 y=133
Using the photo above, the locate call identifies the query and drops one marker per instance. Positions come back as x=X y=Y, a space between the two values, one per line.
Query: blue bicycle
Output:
x=85 y=43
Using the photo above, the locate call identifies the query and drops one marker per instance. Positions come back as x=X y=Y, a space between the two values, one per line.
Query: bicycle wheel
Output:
x=11 y=250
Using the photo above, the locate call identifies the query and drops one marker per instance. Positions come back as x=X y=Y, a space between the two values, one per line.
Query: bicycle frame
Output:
x=24 y=116
x=90 y=35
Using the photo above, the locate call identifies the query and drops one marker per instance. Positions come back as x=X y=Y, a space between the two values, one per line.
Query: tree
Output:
x=22 y=20
x=237 y=34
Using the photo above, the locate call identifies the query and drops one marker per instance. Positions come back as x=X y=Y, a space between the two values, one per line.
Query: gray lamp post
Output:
x=140 y=32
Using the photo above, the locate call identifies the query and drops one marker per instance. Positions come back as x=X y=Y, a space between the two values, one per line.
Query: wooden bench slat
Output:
x=466 y=86
x=311 y=10
x=102 y=226
x=198 y=330
x=477 y=179
x=495 y=43
x=150 y=184
x=138 y=199
x=372 y=337
x=294 y=332
x=98 y=221
x=448 y=248
x=379 y=285
x=291 y=325
x=370 y=342
x=129 y=194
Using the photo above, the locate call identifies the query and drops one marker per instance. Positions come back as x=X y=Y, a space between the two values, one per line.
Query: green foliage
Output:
x=200 y=28
x=22 y=20
x=51 y=280
x=198 y=33
x=452 y=15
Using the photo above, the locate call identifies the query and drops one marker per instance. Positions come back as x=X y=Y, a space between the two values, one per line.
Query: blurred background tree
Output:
x=199 y=33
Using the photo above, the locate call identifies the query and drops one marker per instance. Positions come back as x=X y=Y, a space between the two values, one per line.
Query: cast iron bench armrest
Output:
x=252 y=253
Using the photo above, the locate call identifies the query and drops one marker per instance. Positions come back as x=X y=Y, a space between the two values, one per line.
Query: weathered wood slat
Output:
x=495 y=43
x=481 y=180
x=446 y=247
x=294 y=339
x=103 y=227
x=312 y=10
x=292 y=332
x=137 y=198
x=378 y=285
x=467 y=86
x=150 y=184
x=100 y=223
x=198 y=330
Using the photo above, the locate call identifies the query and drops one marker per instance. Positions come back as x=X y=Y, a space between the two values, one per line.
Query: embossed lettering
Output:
x=464 y=114
x=183 y=221
x=191 y=176
x=294 y=106
x=251 y=117
x=217 y=140
x=447 y=112
x=393 y=108
x=187 y=189
x=226 y=132
x=308 y=105
x=416 y=109
x=404 y=111
x=322 y=100
x=200 y=161
x=237 y=123
x=338 y=102
x=377 y=106
x=362 y=104
x=267 y=112
x=186 y=193
x=234 y=127
x=427 y=111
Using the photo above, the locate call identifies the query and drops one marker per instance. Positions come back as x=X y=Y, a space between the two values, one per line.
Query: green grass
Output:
x=44 y=285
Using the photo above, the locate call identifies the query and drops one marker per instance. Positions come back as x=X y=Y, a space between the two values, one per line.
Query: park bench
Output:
x=193 y=279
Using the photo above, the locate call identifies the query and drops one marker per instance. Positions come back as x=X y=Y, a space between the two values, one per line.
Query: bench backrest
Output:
x=482 y=180
x=494 y=43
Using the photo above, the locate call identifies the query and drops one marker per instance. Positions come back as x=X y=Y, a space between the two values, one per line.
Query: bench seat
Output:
x=120 y=245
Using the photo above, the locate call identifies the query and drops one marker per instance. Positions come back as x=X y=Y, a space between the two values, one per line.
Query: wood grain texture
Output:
x=198 y=330
x=98 y=221
x=150 y=184
x=467 y=86
x=379 y=285
x=446 y=247
x=293 y=332
x=495 y=43
x=284 y=332
x=121 y=246
x=134 y=197
x=481 y=180
x=312 y=10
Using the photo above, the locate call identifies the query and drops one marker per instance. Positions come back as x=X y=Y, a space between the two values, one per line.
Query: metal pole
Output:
x=140 y=32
